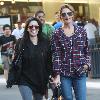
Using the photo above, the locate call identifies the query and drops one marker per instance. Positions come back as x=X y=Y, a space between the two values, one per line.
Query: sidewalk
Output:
x=91 y=83
x=93 y=90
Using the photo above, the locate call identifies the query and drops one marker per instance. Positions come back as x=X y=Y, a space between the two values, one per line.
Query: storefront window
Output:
x=24 y=9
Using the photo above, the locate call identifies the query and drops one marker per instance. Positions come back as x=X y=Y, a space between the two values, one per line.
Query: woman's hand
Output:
x=55 y=80
x=12 y=56
x=85 y=67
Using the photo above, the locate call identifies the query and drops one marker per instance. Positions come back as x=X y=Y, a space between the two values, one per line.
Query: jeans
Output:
x=27 y=93
x=77 y=83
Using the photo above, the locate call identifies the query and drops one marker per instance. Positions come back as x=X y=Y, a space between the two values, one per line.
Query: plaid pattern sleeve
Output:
x=56 y=52
x=87 y=52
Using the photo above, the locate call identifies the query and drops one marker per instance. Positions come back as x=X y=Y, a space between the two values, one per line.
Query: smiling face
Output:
x=41 y=17
x=33 y=28
x=67 y=16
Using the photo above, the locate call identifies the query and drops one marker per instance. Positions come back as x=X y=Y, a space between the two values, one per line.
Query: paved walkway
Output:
x=93 y=90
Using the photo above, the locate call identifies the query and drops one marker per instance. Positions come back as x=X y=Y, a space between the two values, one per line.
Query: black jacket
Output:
x=36 y=65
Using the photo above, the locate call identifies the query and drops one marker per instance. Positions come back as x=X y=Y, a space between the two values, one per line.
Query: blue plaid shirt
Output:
x=70 y=54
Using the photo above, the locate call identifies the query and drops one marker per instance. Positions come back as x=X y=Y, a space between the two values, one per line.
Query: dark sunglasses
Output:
x=31 y=27
x=65 y=14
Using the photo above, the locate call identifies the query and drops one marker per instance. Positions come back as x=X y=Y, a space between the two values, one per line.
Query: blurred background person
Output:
x=7 y=43
x=57 y=23
x=91 y=31
x=47 y=29
x=19 y=31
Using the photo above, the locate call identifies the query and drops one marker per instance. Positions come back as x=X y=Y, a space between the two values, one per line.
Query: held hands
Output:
x=55 y=80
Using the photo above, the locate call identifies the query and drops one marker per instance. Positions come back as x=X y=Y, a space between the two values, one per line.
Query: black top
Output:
x=35 y=66
x=7 y=43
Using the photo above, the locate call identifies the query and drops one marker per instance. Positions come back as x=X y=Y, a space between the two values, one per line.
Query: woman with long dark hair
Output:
x=35 y=61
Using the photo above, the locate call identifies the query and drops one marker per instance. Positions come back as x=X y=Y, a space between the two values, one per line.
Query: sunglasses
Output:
x=65 y=14
x=31 y=27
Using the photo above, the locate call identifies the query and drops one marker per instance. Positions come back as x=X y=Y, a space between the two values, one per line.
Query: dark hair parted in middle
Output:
x=26 y=33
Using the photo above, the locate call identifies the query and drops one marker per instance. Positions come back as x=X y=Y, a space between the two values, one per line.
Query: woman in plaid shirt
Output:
x=70 y=55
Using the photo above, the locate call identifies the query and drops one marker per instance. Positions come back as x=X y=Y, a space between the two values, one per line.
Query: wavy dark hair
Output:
x=26 y=33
